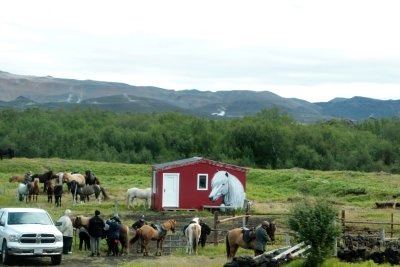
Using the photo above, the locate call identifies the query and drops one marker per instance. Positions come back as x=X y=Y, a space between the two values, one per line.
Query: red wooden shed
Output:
x=186 y=183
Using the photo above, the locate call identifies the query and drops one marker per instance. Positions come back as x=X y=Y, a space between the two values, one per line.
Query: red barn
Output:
x=186 y=183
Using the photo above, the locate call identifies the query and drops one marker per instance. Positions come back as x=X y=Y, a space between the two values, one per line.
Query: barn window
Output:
x=202 y=181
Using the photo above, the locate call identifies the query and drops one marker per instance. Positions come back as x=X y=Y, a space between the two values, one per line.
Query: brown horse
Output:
x=49 y=191
x=83 y=221
x=17 y=178
x=34 y=190
x=147 y=233
x=234 y=240
x=69 y=177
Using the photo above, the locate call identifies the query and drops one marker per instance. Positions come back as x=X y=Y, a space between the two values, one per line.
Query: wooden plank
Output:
x=232 y=218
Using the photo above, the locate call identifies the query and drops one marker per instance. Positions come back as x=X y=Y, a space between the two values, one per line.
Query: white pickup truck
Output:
x=29 y=232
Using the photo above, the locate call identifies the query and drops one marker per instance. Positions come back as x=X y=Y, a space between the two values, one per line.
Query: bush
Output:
x=315 y=224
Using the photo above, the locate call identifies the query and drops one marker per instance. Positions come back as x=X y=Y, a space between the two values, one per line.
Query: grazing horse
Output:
x=91 y=178
x=34 y=190
x=229 y=187
x=134 y=192
x=17 y=178
x=235 y=239
x=83 y=221
x=43 y=178
x=6 y=152
x=147 y=233
x=192 y=233
x=85 y=191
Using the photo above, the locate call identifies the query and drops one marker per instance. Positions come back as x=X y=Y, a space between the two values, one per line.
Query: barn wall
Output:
x=189 y=196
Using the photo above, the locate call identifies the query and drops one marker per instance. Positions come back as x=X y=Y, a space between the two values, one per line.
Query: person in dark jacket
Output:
x=139 y=223
x=136 y=225
x=262 y=238
x=113 y=235
x=96 y=227
x=205 y=231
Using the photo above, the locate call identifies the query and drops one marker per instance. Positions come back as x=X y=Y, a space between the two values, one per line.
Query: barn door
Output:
x=170 y=190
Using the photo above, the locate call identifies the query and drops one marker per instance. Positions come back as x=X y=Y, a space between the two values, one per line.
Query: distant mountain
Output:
x=19 y=91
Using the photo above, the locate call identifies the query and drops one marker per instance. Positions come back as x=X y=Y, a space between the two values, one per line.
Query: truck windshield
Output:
x=28 y=218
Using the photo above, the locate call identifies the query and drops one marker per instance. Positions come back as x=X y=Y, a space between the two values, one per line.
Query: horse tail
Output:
x=195 y=237
x=228 y=247
x=135 y=238
x=103 y=192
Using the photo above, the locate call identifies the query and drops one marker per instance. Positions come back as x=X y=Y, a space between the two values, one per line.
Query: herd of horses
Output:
x=234 y=240
x=79 y=185
x=88 y=184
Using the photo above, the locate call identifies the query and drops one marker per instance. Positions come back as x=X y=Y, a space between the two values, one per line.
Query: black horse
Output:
x=6 y=152
x=58 y=191
x=43 y=178
x=90 y=178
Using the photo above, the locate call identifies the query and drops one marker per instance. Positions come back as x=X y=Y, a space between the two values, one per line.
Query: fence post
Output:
x=115 y=208
x=215 y=228
x=382 y=234
x=343 y=221
x=391 y=226
x=287 y=239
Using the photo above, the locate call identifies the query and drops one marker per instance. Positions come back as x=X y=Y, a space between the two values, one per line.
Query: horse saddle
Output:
x=161 y=231
x=248 y=234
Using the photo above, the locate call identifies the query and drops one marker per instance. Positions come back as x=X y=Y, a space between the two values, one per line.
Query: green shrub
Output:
x=315 y=224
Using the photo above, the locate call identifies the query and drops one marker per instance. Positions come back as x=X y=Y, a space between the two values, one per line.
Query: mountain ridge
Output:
x=22 y=91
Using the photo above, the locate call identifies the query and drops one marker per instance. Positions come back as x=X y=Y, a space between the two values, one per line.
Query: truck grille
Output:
x=37 y=238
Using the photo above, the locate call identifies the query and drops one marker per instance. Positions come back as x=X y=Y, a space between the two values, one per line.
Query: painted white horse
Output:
x=134 y=192
x=192 y=233
x=229 y=187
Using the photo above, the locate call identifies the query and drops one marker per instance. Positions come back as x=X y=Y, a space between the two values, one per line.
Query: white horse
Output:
x=192 y=233
x=22 y=192
x=60 y=176
x=229 y=187
x=134 y=192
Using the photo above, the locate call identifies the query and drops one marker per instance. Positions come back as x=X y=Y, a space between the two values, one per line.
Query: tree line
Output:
x=270 y=139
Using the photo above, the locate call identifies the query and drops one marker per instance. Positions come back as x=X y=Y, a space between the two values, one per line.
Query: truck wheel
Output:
x=56 y=260
x=5 y=258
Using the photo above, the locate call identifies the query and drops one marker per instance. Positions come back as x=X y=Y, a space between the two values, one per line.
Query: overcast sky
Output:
x=313 y=50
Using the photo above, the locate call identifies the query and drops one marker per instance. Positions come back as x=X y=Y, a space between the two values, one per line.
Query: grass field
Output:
x=273 y=192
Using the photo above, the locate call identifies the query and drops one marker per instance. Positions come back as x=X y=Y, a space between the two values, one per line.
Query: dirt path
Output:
x=78 y=260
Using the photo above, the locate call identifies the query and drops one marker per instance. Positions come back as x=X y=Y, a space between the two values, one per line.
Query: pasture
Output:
x=272 y=191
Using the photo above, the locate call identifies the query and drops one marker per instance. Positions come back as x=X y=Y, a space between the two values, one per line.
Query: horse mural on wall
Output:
x=227 y=186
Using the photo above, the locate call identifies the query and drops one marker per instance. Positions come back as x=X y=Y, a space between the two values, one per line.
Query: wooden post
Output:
x=382 y=234
x=115 y=208
x=215 y=228
x=343 y=221
x=391 y=226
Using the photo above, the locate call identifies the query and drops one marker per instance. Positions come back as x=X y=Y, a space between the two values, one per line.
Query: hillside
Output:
x=21 y=91
x=271 y=190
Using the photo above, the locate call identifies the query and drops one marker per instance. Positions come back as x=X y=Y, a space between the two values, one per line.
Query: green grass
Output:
x=273 y=191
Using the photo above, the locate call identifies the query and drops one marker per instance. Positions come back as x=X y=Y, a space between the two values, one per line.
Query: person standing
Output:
x=139 y=223
x=96 y=226
x=113 y=235
x=64 y=224
x=205 y=231
x=136 y=225
x=262 y=238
